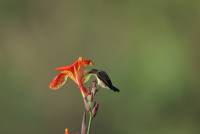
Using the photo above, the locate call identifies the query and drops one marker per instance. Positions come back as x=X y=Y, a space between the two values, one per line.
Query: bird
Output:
x=103 y=80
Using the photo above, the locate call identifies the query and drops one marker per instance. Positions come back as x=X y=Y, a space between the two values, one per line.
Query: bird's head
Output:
x=93 y=71
x=88 y=74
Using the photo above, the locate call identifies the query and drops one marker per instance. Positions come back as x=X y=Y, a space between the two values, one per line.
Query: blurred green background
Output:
x=150 y=48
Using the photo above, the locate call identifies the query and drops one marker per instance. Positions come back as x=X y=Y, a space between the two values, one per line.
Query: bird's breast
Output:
x=100 y=83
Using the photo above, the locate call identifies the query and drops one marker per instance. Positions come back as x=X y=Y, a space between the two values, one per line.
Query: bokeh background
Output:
x=149 y=47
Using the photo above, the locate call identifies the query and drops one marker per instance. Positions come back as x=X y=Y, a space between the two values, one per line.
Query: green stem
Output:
x=89 y=123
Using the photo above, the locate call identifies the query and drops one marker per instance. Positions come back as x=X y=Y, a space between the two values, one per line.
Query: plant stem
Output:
x=89 y=123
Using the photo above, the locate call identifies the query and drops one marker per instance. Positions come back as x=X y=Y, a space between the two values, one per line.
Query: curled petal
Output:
x=84 y=62
x=58 y=81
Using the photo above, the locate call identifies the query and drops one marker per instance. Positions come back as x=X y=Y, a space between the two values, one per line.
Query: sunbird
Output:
x=103 y=80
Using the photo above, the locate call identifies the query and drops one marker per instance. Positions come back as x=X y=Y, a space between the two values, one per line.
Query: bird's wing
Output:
x=102 y=75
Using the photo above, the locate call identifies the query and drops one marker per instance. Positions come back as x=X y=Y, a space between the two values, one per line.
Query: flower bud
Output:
x=94 y=110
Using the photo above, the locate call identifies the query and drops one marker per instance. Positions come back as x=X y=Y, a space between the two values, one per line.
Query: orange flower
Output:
x=75 y=72
x=67 y=131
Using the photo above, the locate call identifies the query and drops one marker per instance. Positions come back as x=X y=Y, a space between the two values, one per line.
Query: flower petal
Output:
x=84 y=62
x=58 y=81
x=62 y=68
x=79 y=81
x=71 y=75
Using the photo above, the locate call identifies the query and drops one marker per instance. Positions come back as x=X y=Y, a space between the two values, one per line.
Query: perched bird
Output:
x=103 y=79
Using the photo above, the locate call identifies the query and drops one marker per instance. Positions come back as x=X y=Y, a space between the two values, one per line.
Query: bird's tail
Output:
x=115 y=89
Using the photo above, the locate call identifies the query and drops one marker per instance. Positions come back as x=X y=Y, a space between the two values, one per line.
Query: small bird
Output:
x=103 y=79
